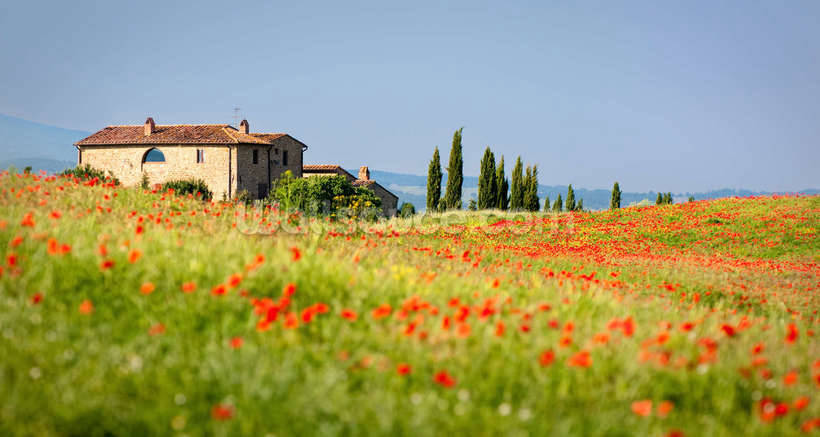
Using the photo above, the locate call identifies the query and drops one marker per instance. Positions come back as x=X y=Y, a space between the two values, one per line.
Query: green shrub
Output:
x=330 y=196
x=407 y=210
x=196 y=187
x=89 y=172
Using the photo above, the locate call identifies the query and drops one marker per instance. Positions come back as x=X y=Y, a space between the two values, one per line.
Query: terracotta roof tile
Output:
x=267 y=137
x=176 y=134
x=363 y=183
x=320 y=167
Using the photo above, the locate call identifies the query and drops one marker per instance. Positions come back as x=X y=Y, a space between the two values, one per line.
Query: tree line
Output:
x=496 y=191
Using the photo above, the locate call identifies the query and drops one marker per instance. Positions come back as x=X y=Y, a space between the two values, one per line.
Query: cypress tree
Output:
x=516 y=187
x=669 y=199
x=503 y=185
x=659 y=200
x=533 y=203
x=487 y=189
x=580 y=206
x=525 y=189
x=570 y=199
x=434 y=182
x=615 y=201
x=455 y=174
x=556 y=207
x=547 y=203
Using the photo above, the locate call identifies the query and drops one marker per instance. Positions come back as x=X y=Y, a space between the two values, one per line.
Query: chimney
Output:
x=244 y=127
x=364 y=173
x=150 y=127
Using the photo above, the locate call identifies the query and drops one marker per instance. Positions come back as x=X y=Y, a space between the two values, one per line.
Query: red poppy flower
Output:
x=86 y=307
x=157 y=329
x=790 y=378
x=444 y=379
x=565 y=341
x=188 y=287
x=403 y=369
x=801 y=403
x=291 y=321
x=134 y=255
x=349 y=315
x=382 y=311
x=106 y=264
x=295 y=253
x=729 y=330
x=36 y=298
x=147 y=288
x=28 y=220
x=222 y=412
x=642 y=408
x=307 y=315
x=792 y=334
x=499 y=329
x=664 y=408
x=219 y=290
x=234 y=280
x=236 y=342
x=289 y=289
x=546 y=358
x=580 y=359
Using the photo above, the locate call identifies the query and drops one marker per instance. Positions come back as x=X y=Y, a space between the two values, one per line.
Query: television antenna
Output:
x=236 y=115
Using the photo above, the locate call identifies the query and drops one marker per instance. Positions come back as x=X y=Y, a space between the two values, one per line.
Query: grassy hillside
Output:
x=126 y=312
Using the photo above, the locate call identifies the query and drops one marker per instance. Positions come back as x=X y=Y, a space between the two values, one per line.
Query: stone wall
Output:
x=251 y=175
x=125 y=163
x=389 y=200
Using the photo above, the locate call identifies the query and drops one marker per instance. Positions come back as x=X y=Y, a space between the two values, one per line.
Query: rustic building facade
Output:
x=389 y=200
x=227 y=159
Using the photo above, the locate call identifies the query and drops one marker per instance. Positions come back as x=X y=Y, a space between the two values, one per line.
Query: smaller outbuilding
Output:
x=389 y=200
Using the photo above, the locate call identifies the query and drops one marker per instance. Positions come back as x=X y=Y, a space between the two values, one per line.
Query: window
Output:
x=276 y=151
x=153 y=155
x=284 y=157
x=200 y=156
x=255 y=156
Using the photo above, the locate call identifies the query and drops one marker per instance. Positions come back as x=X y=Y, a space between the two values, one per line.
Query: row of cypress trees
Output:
x=493 y=185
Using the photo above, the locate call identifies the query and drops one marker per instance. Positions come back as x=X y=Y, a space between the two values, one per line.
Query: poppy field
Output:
x=135 y=312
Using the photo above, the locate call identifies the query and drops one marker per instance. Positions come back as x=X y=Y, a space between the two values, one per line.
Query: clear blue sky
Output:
x=672 y=96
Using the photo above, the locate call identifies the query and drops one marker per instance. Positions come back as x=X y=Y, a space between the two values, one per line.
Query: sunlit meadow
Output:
x=132 y=312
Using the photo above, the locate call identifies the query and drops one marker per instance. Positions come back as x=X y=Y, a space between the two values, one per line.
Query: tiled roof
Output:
x=267 y=137
x=176 y=134
x=363 y=183
x=320 y=167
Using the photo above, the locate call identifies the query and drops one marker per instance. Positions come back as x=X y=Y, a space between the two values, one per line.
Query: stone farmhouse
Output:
x=228 y=159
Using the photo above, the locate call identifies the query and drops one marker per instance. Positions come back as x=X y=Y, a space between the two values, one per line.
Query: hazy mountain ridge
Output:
x=50 y=148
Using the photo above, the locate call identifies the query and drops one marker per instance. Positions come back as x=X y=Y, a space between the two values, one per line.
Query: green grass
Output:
x=68 y=373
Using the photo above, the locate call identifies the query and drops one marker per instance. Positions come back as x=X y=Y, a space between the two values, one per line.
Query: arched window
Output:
x=153 y=155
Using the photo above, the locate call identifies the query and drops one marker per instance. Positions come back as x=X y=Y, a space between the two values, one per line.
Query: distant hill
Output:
x=26 y=143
